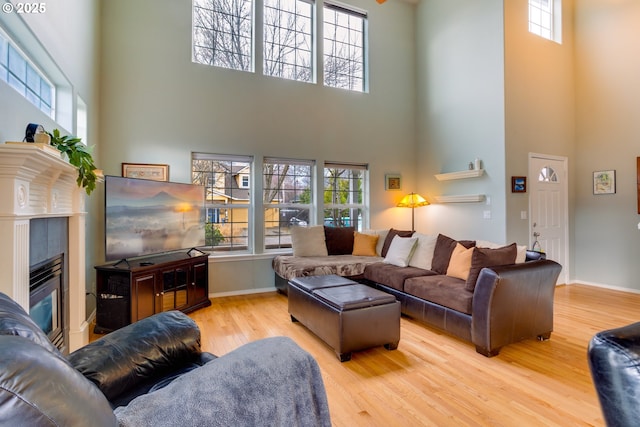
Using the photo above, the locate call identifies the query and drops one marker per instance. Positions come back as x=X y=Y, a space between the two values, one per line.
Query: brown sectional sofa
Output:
x=497 y=304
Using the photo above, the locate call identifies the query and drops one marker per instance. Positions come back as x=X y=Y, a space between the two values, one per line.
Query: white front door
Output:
x=548 y=208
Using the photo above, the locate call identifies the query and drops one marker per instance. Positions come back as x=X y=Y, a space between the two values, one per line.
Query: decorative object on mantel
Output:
x=412 y=200
x=392 y=181
x=31 y=131
x=79 y=155
x=604 y=182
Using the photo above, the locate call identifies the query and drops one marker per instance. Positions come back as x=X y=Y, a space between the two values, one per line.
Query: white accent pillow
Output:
x=521 y=255
x=400 y=251
x=308 y=241
x=423 y=252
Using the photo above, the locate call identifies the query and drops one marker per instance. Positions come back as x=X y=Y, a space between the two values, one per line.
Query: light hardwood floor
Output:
x=434 y=379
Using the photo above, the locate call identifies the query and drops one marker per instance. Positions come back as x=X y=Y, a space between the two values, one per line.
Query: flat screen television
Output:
x=144 y=217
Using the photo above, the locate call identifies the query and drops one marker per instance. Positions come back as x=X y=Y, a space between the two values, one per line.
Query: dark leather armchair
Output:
x=614 y=360
x=152 y=373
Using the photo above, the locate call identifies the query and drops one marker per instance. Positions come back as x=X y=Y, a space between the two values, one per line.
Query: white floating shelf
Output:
x=473 y=173
x=465 y=198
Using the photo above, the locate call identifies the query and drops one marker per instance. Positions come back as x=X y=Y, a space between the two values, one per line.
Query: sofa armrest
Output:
x=512 y=303
x=147 y=349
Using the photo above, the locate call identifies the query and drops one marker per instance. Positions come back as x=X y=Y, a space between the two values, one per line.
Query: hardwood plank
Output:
x=434 y=379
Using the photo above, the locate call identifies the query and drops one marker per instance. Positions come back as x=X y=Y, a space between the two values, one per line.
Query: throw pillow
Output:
x=339 y=240
x=423 y=254
x=442 y=252
x=486 y=257
x=308 y=241
x=460 y=262
x=364 y=244
x=400 y=251
x=382 y=236
x=393 y=233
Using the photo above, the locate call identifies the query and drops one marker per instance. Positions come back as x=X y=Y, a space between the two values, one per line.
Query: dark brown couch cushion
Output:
x=392 y=275
x=444 y=290
x=393 y=233
x=442 y=252
x=485 y=257
x=339 y=240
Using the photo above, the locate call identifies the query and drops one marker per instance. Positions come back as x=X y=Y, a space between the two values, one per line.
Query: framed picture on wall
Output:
x=518 y=184
x=392 y=182
x=604 y=182
x=154 y=172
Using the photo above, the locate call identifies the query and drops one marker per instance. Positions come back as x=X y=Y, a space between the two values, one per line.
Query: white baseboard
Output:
x=242 y=292
x=604 y=286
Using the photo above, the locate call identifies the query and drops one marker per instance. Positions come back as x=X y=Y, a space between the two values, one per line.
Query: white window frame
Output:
x=362 y=206
x=27 y=90
x=234 y=244
x=297 y=187
x=288 y=46
x=205 y=34
x=344 y=31
x=545 y=19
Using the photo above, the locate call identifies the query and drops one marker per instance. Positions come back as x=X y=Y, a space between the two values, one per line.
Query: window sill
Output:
x=246 y=256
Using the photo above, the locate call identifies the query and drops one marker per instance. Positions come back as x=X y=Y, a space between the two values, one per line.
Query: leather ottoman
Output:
x=346 y=315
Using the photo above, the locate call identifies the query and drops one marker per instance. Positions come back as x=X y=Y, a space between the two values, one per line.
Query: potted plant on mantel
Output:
x=79 y=155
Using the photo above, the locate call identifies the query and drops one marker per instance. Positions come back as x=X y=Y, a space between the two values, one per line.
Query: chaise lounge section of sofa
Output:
x=487 y=294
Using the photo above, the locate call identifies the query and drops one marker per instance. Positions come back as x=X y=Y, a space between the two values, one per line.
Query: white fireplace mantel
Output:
x=37 y=183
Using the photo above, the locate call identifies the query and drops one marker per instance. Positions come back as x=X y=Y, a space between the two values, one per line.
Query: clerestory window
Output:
x=288 y=42
x=22 y=75
x=344 y=48
x=223 y=33
x=545 y=19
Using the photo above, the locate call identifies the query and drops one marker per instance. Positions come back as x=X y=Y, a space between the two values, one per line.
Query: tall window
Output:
x=223 y=33
x=344 y=48
x=227 y=202
x=344 y=195
x=288 y=28
x=22 y=75
x=544 y=19
x=287 y=199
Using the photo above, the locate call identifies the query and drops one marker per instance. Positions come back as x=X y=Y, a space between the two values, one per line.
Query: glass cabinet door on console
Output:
x=174 y=288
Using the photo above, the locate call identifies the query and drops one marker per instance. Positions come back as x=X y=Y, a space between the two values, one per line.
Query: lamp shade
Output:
x=412 y=200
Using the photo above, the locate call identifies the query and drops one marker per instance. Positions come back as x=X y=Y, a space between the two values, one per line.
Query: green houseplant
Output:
x=79 y=155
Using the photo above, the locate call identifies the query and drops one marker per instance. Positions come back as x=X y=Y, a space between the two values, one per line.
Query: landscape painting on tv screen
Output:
x=145 y=217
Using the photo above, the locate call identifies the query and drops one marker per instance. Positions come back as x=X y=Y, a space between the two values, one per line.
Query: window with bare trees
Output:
x=344 y=50
x=344 y=195
x=288 y=28
x=223 y=33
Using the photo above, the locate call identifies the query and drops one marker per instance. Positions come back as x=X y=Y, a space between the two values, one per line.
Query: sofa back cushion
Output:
x=339 y=240
x=390 y=235
x=485 y=257
x=308 y=241
x=423 y=253
x=442 y=252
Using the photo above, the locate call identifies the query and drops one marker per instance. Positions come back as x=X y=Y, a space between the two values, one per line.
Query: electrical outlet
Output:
x=523 y=214
x=487 y=214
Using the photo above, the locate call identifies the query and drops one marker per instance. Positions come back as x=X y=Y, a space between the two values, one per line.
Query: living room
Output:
x=449 y=82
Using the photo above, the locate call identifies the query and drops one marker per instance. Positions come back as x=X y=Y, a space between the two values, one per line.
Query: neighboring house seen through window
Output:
x=227 y=202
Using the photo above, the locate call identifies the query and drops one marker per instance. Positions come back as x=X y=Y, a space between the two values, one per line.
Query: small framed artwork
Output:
x=604 y=182
x=146 y=171
x=518 y=184
x=392 y=182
